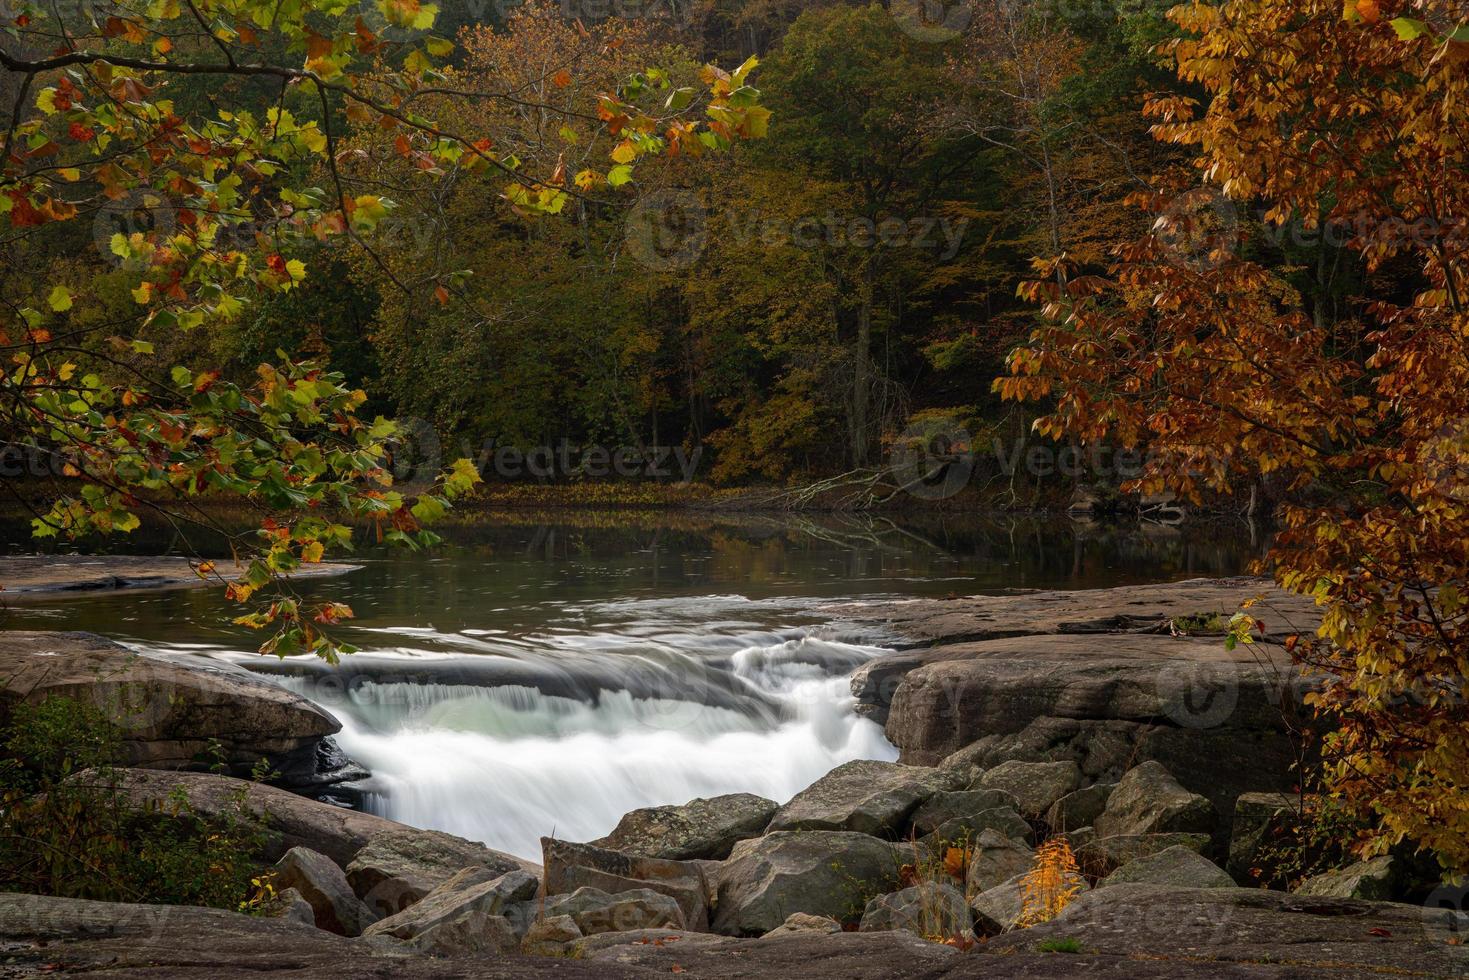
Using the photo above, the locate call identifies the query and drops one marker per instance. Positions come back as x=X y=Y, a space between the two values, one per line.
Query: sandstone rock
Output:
x=866 y=797
x=461 y=899
x=966 y=762
x=999 y=909
x=1148 y=800
x=1176 y=866
x=295 y=821
x=318 y=880
x=400 y=866
x=1079 y=809
x=701 y=828
x=172 y=710
x=550 y=936
x=830 y=873
x=596 y=911
x=1373 y=879
x=1036 y=785
x=934 y=910
x=1247 y=932
x=802 y=922
x=942 y=807
x=1258 y=818
x=995 y=860
x=808 y=955
x=1104 y=855
x=569 y=866
x=291 y=906
x=1001 y=819
x=470 y=933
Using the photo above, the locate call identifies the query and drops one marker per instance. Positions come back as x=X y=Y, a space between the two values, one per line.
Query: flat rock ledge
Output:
x=54 y=576
x=173 y=709
x=1105 y=678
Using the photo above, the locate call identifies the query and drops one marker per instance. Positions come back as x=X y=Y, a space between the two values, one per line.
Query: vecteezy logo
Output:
x=415 y=455
x=1198 y=696
x=932 y=21
x=1443 y=460
x=140 y=212
x=667 y=230
x=1198 y=230
x=932 y=459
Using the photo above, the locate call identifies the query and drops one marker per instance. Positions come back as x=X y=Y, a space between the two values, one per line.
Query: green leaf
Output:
x=1408 y=28
x=60 y=299
x=619 y=175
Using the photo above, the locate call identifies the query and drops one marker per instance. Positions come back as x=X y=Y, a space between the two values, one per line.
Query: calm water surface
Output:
x=531 y=679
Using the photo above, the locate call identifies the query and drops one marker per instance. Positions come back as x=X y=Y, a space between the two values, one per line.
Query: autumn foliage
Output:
x=1297 y=315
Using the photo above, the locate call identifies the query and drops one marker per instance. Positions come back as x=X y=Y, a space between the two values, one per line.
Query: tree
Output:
x=146 y=114
x=1226 y=367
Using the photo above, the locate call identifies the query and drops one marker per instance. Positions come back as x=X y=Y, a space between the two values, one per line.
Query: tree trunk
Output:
x=861 y=374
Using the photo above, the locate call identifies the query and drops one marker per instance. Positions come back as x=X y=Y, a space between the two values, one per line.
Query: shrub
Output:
x=66 y=828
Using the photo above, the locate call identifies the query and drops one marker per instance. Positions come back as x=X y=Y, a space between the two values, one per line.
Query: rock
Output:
x=595 y=911
x=940 y=808
x=44 y=935
x=1177 y=866
x=830 y=873
x=1094 y=677
x=465 y=899
x=40 y=574
x=295 y=821
x=1104 y=855
x=995 y=860
x=1079 y=809
x=932 y=909
x=802 y=922
x=173 y=711
x=569 y=866
x=960 y=829
x=550 y=936
x=318 y=880
x=1371 y=880
x=966 y=762
x=1037 y=785
x=1258 y=819
x=467 y=934
x=701 y=828
x=292 y=906
x=1148 y=800
x=1000 y=908
x=1080 y=837
x=1245 y=932
x=399 y=867
x=865 y=797
x=809 y=955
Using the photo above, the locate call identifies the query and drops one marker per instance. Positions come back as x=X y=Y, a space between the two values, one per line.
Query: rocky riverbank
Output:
x=1115 y=719
x=49 y=576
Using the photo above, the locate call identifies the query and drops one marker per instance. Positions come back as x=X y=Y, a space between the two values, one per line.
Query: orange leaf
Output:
x=561 y=79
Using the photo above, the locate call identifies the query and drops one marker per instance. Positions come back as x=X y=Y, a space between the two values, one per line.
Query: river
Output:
x=535 y=678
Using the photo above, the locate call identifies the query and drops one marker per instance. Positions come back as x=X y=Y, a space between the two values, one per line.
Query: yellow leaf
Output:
x=60 y=299
x=624 y=152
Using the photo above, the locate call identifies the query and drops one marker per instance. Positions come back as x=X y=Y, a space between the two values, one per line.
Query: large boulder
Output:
x=595 y=911
x=294 y=821
x=1177 y=866
x=996 y=859
x=464 y=904
x=940 y=808
x=1373 y=879
x=831 y=873
x=959 y=830
x=401 y=866
x=804 y=922
x=570 y=866
x=174 y=711
x=1001 y=908
x=550 y=936
x=1036 y=785
x=321 y=883
x=1148 y=800
x=865 y=796
x=807 y=954
x=1101 y=856
x=702 y=828
x=932 y=909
